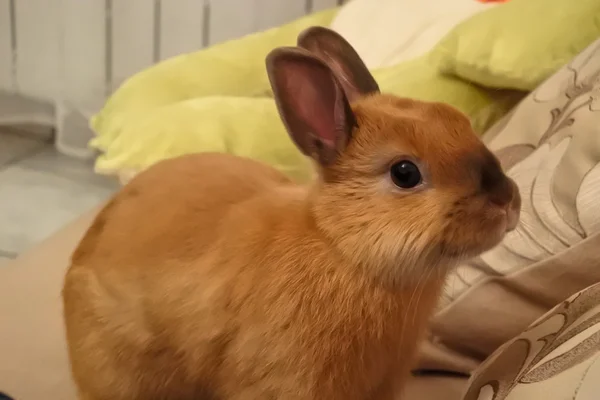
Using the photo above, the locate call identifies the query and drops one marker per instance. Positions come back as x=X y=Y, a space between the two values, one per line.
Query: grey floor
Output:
x=41 y=190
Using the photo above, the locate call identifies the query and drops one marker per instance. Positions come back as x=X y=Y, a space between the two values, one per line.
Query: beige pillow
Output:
x=550 y=145
x=557 y=358
x=388 y=32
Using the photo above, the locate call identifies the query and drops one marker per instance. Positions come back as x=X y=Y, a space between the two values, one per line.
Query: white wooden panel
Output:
x=271 y=13
x=231 y=19
x=181 y=23
x=6 y=58
x=38 y=48
x=318 y=5
x=84 y=58
x=132 y=39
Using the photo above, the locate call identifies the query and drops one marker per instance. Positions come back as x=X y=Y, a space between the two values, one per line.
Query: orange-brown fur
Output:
x=212 y=277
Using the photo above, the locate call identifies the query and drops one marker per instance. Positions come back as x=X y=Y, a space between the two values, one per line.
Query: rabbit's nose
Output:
x=498 y=187
x=502 y=193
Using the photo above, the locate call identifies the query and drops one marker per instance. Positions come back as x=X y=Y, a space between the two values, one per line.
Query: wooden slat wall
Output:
x=6 y=56
x=318 y=5
x=181 y=27
x=279 y=13
x=73 y=53
x=230 y=19
x=38 y=48
x=132 y=38
x=92 y=46
x=84 y=60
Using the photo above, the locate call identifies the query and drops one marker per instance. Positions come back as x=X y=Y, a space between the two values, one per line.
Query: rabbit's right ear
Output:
x=350 y=69
x=311 y=103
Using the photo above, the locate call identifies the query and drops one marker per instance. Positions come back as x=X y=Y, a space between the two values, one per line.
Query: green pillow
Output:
x=520 y=43
x=244 y=126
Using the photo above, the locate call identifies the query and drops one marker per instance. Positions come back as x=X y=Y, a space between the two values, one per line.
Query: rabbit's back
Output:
x=173 y=210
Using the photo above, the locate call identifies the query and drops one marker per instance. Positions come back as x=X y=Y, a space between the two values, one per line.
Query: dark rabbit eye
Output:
x=406 y=174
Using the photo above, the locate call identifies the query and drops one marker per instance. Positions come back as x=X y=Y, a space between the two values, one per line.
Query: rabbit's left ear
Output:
x=311 y=102
x=344 y=61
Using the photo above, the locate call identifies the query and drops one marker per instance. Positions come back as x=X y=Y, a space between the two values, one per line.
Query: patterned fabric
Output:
x=557 y=358
x=550 y=145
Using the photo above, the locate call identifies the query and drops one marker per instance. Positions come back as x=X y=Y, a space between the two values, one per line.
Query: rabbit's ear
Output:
x=341 y=57
x=311 y=102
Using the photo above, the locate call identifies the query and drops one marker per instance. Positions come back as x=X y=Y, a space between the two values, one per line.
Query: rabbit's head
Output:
x=403 y=185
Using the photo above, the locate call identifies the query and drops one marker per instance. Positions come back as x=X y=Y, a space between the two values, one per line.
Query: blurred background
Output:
x=59 y=60
x=188 y=76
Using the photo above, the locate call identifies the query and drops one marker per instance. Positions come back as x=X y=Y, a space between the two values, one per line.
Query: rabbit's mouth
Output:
x=458 y=252
x=454 y=253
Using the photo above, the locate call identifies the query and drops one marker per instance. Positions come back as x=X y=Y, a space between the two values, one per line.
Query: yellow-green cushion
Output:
x=245 y=126
x=520 y=43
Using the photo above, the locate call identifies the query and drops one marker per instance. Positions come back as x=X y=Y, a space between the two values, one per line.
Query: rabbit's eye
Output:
x=406 y=174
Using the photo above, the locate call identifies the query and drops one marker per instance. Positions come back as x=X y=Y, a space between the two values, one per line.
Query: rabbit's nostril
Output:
x=502 y=193
x=495 y=183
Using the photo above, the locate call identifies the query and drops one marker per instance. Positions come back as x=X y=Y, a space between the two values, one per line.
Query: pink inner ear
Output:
x=315 y=104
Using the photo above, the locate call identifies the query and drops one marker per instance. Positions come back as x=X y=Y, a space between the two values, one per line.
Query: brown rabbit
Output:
x=212 y=277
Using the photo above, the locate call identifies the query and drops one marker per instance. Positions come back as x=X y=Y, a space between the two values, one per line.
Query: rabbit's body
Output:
x=262 y=292
x=212 y=277
x=245 y=309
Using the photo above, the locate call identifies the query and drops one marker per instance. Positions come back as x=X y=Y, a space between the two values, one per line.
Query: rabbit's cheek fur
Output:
x=395 y=247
